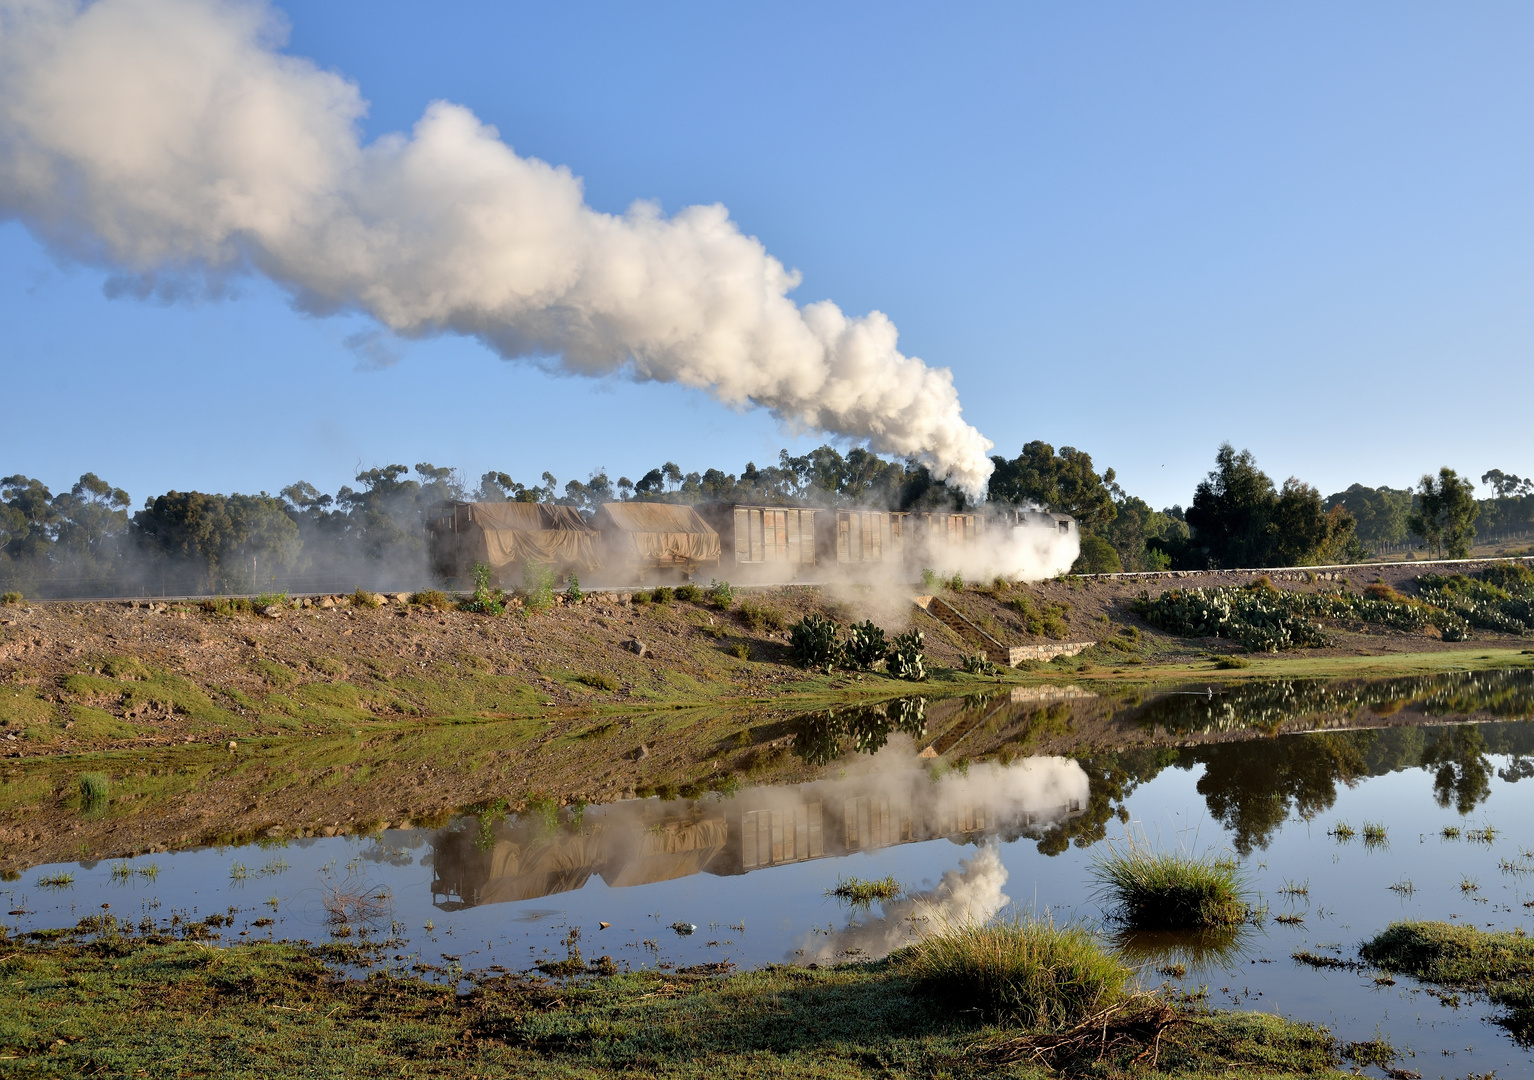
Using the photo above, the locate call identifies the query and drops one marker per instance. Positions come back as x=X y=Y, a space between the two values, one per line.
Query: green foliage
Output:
x=1097 y=557
x=598 y=681
x=270 y=599
x=865 y=645
x=1151 y=890
x=955 y=583
x=363 y=598
x=906 y=659
x=1482 y=602
x=573 y=588
x=433 y=598
x=537 y=587
x=94 y=789
x=662 y=595
x=860 y=892
x=761 y=617
x=740 y=650
x=720 y=594
x=1045 y=617
x=1026 y=971
x=689 y=592
x=930 y=580
x=1265 y=619
x=10 y=598
x=1446 y=513
x=1498 y=964
x=228 y=606
x=813 y=643
x=1064 y=482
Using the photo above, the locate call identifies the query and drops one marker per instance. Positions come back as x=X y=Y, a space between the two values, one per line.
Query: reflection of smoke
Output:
x=170 y=141
x=971 y=893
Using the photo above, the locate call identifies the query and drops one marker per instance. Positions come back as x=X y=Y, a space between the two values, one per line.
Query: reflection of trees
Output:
x=1264 y=705
x=818 y=737
x=1461 y=773
x=1112 y=778
x=1252 y=787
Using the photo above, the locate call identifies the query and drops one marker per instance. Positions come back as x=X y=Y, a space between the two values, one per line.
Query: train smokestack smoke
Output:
x=170 y=141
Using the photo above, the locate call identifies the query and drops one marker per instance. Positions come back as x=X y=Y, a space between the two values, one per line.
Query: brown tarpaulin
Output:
x=656 y=534
x=499 y=534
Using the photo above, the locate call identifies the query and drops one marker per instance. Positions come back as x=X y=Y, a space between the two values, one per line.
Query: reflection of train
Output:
x=765 y=544
x=648 y=840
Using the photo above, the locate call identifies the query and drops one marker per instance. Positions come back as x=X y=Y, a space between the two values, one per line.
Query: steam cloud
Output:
x=171 y=141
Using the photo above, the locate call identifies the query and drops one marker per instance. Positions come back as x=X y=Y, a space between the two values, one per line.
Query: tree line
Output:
x=87 y=540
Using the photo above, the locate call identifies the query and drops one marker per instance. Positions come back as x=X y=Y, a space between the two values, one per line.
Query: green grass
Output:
x=1375 y=834
x=1027 y=971
x=1165 y=890
x=1498 y=964
x=860 y=892
x=56 y=881
x=117 y=1004
x=94 y=788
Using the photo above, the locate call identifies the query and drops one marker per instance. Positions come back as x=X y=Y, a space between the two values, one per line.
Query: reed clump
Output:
x=1165 y=890
x=1027 y=970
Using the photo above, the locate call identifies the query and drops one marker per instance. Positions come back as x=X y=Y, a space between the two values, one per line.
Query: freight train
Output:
x=626 y=543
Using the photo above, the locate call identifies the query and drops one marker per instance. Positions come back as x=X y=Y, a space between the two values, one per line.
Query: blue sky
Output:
x=1139 y=231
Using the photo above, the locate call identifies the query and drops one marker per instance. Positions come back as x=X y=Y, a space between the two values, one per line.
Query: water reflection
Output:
x=891 y=799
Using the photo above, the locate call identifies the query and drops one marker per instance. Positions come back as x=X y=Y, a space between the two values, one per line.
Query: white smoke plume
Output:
x=971 y=893
x=171 y=141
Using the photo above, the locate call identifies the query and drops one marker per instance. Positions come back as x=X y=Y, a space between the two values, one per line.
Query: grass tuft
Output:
x=1151 y=890
x=94 y=788
x=1374 y=834
x=1025 y=970
x=1342 y=832
x=860 y=892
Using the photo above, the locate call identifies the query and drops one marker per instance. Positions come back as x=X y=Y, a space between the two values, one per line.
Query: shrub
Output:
x=270 y=599
x=228 y=606
x=1097 y=557
x=573 y=588
x=94 y=788
x=484 y=600
x=977 y=664
x=930 y=581
x=640 y=599
x=1232 y=663
x=1151 y=890
x=865 y=645
x=662 y=595
x=740 y=650
x=10 y=598
x=720 y=594
x=598 y=681
x=1030 y=971
x=537 y=587
x=955 y=583
x=364 y=598
x=432 y=598
x=906 y=660
x=761 y=617
x=689 y=592
x=813 y=641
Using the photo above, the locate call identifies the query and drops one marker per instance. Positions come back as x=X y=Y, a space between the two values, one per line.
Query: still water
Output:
x=744 y=878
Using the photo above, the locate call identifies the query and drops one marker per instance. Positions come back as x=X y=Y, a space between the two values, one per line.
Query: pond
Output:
x=1409 y=802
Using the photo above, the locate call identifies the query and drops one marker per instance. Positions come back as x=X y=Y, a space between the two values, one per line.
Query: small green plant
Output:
x=1469 y=884
x=1404 y=887
x=1153 y=890
x=272 y=901
x=598 y=681
x=640 y=599
x=1232 y=663
x=761 y=617
x=1295 y=888
x=270 y=599
x=930 y=581
x=813 y=642
x=10 y=598
x=1374 y=834
x=1486 y=835
x=721 y=594
x=275 y=866
x=689 y=592
x=1172 y=971
x=906 y=658
x=1030 y=971
x=1342 y=832
x=662 y=595
x=1451 y=832
x=573 y=591
x=362 y=598
x=955 y=583
x=537 y=588
x=95 y=787
x=861 y=893
x=238 y=871
x=977 y=664
x=740 y=650
x=56 y=881
x=865 y=645
x=433 y=598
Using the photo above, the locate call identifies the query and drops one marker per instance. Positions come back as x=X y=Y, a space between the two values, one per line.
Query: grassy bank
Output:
x=1499 y=965
x=116 y=1006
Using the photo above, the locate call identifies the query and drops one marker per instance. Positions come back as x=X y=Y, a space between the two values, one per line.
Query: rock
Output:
x=272 y=611
x=273 y=833
x=641 y=753
x=683 y=928
x=402 y=598
x=231 y=744
x=380 y=599
x=326 y=603
x=328 y=830
x=635 y=646
x=603 y=925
